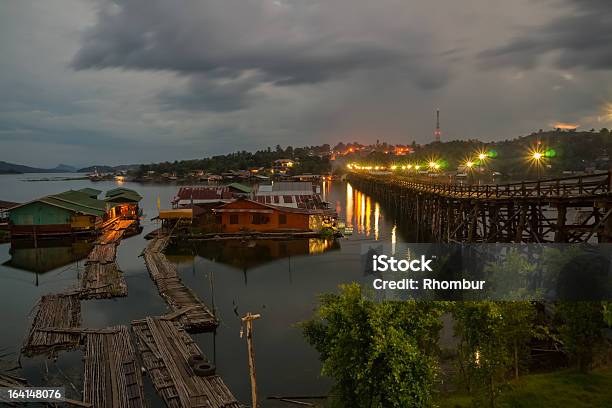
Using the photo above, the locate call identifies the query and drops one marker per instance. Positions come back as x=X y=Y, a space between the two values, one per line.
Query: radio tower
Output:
x=437 y=132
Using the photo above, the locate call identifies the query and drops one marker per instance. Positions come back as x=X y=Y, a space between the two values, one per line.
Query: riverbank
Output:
x=551 y=390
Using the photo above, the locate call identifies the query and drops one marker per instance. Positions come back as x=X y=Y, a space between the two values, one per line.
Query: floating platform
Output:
x=54 y=314
x=102 y=281
x=102 y=253
x=112 y=377
x=188 y=309
x=102 y=278
x=166 y=349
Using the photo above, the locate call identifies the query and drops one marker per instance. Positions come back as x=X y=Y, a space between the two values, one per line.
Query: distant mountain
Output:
x=64 y=168
x=12 y=168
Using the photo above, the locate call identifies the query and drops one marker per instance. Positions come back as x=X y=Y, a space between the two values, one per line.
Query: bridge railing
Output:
x=575 y=186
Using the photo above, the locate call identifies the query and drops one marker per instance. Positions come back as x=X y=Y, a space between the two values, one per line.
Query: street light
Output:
x=536 y=157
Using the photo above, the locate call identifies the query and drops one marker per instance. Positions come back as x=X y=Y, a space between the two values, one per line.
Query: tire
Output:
x=204 y=369
x=195 y=360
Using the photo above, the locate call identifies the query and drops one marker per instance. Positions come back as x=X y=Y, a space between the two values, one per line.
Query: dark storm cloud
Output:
x=581 y=38
x=215 y=95
x=220 y=42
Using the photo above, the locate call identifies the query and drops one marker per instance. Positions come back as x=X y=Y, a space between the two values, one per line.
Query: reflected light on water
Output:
x=368 y=215
x=349 y=205
x=362 y=211
x=376 y=220
x=359 y=211
x=393 y=239
x=318 y=246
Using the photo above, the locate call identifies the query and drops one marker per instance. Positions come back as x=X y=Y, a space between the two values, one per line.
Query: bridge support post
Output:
x=494 y=220
x=521 y=224
x=560 y=235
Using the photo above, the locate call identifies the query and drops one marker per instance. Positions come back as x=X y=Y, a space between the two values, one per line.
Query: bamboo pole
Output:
x=248 y=322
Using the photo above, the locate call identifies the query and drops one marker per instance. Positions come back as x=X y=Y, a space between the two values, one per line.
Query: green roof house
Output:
x=64 y=213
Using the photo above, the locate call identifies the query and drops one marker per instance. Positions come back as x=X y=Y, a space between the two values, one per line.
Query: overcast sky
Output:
x=112 y=82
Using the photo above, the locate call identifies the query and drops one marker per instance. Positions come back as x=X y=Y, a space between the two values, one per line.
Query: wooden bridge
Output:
x=570 y=209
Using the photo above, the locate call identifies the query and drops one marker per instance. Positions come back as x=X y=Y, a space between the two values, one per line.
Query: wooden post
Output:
x=561 y=220
x=248 y=322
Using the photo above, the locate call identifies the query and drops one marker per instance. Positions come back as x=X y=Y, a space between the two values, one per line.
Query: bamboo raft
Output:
x=103 y=253
x=188 y=309
x=102 y=278
x=54 y=312
x=112 y=373
x=102 y=281
x=165 y=349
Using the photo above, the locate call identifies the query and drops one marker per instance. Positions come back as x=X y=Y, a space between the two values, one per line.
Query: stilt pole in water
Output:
x=248 y=322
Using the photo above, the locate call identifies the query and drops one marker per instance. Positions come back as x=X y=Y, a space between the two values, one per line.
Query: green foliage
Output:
x=511 y=276
x=551 y=390
x=493 y=340
x=580 y=330
x=312 y=160
x=607 y=312
x=379 y=354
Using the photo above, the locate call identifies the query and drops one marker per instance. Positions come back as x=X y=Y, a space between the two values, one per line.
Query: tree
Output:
x=607 y=312
x=379 y=354
x=580 y=330
x=494 y=339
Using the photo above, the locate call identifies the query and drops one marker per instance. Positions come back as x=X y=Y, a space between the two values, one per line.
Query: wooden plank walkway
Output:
x=102 y=278
x=165 y=349
x=189 y=310
x=112 y=373
x=59 y=311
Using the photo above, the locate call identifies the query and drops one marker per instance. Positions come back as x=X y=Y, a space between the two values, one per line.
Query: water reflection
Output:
x=45 y=255
x=359 y=212
x=376 y=219
x=246 y=255
x=284 y=281
x=349 y=205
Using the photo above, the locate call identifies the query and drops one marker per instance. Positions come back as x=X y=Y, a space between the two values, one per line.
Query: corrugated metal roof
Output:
x=4 y=205
x=119 y=190
x=203 y=193
x=292 y=186
x=125 y=197
x=76 y=201
x=80 y=198
x=241 y=187
x=90 y=191
x=52 y=200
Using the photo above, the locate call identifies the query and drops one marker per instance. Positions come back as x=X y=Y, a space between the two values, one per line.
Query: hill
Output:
x=12 y=168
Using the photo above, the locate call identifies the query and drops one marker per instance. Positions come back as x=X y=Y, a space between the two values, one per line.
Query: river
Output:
x=280 y=280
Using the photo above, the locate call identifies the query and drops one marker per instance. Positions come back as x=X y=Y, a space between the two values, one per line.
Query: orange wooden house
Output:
x=248 y=215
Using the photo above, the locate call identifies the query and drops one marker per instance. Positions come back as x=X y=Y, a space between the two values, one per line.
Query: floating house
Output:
x=248 y=215
x=123 y=202
x=304 y=195
x=71 y=212
x=202 y=196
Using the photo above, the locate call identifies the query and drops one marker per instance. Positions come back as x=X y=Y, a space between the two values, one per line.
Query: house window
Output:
x=218 y=219
x=282 y=218
x=259 y=219
x=233 y=218
x=287 y=199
